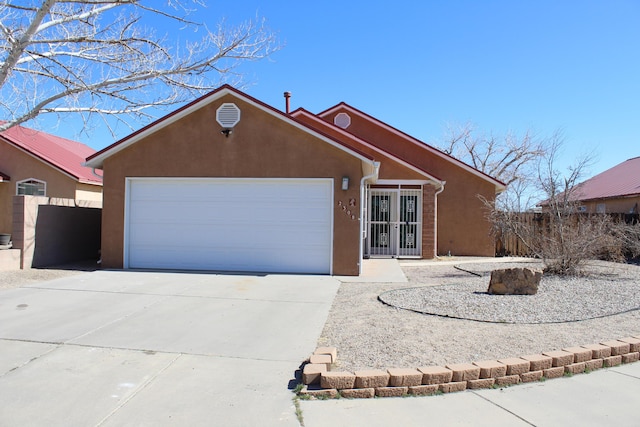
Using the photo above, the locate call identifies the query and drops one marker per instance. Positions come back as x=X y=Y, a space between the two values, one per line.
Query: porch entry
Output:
x=394 y=222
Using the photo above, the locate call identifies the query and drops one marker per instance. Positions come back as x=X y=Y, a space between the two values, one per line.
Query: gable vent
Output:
x=342 y=120
x=228 y=115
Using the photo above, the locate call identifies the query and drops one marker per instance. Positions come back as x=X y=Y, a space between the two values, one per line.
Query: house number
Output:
x=348 y=208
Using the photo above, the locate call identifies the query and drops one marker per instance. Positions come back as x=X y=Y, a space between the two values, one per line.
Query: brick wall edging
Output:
x=320 y=381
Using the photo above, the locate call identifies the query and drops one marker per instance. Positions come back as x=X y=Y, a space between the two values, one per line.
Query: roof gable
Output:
x=344 y=107
x=622 y=180
x=96 y=160
x=63 y=154
x=354 y=141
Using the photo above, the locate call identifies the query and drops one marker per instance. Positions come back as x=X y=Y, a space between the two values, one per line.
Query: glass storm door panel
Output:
x=381 y=229
x=409 y=224
x=394 y=223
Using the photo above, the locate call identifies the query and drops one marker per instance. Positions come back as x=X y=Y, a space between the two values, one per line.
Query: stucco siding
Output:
x=462 y=228
x=20 y=166
x=89 y=192
x=260 y=146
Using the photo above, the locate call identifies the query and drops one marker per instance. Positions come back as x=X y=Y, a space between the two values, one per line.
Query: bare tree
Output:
x=100 y=58
x=510 y=159
x=561 y=235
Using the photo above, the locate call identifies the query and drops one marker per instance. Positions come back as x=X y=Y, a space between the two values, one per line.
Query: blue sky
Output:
x=423 y=65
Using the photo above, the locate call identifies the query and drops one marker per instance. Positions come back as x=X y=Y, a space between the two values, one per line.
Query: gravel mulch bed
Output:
x=371 y=334
x=603 y=291
x=16 y=278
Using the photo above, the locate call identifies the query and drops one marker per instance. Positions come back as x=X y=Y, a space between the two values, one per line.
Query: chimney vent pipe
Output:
x=287 y=96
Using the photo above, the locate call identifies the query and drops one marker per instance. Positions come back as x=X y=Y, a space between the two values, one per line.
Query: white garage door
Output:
x=259 y=225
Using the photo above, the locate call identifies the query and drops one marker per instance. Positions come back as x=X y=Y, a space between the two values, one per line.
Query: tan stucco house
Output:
x=616 y=190
x=40 y=164
x=228 y=182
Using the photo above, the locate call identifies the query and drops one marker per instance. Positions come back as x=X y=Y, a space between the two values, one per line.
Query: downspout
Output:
x=435 y=214
x=363 y=220
x=93 y=171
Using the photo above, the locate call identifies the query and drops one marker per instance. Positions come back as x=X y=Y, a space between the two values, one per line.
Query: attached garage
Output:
x=230 y=224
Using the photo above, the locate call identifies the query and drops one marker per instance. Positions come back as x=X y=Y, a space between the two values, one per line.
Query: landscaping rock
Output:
x=598 y=351
x=332 y=351
x=358 y=393
x=453 y=387
x=538 y=362
x=371 y=378
x=593 y=364
x=423 y=390
x=311 y=373
x=491 y=369
x=404 y=377
x=319 y=393
x=480 y=383
x=391 y=391
x=634 y=344
x=618 y=348
x=464 y=372
x=516 y=365
x=507 y=380
x=528 y=377
x=555 y=372
x=339 y=380
x=514 y=281
x=435 y=375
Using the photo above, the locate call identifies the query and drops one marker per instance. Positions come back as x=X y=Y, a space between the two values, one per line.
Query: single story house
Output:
x=230 y=183
x=616 y=190
x=35 y=163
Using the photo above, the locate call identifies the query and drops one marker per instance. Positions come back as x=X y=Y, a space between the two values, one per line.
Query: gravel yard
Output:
x=16 y=278
x=565 y=312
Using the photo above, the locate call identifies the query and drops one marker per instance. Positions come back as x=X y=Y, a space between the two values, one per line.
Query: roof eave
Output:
x=43 y=160
x=500 y=186
x=96 y=161
x=435 y=180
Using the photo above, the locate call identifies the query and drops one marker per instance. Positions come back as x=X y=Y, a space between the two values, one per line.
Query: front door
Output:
x=394 y=228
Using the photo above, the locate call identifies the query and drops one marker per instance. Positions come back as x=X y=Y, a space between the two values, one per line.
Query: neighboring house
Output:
x=39 y=164
x=230 y=183
x=616 y=190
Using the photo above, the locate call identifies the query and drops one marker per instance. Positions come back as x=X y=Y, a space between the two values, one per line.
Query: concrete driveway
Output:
x=116 y=348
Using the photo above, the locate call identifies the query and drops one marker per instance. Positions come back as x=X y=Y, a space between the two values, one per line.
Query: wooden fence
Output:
x=508 y=244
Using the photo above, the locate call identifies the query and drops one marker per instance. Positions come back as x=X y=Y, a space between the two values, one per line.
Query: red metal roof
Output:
x=61 y=153
x=620 y=181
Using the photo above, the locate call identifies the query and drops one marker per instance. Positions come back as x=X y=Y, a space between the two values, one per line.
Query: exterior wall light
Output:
x=345 y=182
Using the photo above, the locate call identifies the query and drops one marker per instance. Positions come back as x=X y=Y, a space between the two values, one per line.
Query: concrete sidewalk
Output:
x=604 y=397
x=114 y=348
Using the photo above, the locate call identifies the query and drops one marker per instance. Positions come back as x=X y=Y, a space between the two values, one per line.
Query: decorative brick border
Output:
x=321 y=382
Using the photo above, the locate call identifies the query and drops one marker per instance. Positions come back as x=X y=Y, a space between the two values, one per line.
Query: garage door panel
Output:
x=224 y=260
x=277 y=225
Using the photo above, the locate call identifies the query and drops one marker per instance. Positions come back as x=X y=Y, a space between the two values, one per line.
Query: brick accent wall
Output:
x=428 y=222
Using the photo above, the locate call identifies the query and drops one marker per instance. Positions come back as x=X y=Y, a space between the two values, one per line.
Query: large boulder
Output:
x=515 y=281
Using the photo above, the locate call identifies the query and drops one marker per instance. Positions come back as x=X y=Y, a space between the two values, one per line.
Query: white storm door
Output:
x=395 y=222
x=244 y=224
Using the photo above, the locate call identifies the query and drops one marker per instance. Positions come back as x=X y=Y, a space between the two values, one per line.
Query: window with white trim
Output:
x=31 y=187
